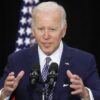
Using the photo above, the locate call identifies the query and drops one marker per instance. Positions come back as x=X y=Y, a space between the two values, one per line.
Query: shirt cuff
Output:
x=90 y=94
x=7 y=98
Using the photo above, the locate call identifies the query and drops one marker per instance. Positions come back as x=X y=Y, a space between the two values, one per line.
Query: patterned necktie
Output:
x=44 y=76
x=45 y=69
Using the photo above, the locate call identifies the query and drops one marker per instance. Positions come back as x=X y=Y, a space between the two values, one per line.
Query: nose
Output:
x=46 y=34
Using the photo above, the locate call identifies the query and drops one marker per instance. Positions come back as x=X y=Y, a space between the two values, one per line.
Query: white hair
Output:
x=50 y=6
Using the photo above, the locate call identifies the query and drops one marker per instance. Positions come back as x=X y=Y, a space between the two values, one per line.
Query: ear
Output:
x=64 y=30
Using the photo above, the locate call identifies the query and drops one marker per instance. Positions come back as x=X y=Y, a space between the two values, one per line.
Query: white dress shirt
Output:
x=55 y=57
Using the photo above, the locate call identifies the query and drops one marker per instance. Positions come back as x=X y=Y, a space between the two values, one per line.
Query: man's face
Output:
x=47 y=31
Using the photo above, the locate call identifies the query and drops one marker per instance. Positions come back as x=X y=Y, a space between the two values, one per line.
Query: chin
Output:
x=48 y=52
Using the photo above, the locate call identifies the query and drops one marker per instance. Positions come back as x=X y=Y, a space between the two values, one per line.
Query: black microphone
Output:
x=52 y=76
x=34 y=75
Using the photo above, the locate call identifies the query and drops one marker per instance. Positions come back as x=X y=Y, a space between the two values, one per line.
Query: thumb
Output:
x=69 y=74
x=20 y=76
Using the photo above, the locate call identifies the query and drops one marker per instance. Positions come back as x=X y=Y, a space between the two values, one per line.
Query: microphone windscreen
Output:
x=53 y=67
x=34 y=75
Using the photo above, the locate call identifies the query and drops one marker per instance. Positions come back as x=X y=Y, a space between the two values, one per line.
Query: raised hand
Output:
x=77 y=85
x=11 y=83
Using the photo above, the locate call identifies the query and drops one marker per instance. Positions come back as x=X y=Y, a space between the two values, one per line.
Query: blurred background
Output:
x=83 y=27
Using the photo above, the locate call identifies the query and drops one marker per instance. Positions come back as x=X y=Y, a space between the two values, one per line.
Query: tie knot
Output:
x=48 y=59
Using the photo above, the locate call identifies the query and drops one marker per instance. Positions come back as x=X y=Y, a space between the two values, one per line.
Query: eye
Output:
x=40 y=28
x=52 y=29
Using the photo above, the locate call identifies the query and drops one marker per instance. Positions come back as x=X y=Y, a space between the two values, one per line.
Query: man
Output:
x=77 y=77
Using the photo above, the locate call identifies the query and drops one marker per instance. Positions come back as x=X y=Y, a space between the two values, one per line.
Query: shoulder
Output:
x=78 y=53
x=80 y=59
x=23 y=53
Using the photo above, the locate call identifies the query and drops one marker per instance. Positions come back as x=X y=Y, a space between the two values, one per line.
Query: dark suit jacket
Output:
x=79 y=62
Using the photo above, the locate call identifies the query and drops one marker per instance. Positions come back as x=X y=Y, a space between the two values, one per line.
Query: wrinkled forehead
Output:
x=48 y=18
x=54 y=14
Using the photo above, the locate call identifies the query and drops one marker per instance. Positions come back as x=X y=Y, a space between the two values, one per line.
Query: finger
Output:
x=75 y=81
x=10 y=78
x=19 y=76
x=11 y=73
x=76 y=92
x=9 y=83
x=69 y=74
x=76 y=77
x=75 y=87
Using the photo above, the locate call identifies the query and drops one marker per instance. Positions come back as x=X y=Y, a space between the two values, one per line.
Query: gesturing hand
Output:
x=11 y=83
x=77 y=85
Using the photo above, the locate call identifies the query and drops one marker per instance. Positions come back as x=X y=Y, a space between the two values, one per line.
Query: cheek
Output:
x=58 y=38
x=56 y=41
